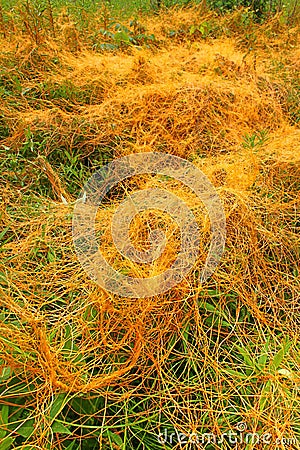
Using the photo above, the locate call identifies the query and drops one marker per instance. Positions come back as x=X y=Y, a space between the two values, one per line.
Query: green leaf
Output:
x=236 y=374
x=121 y=36
x=4 y=414
x=264 y=395
x=114 y=437
x=193 y=29
x=278 y=358
x=51 y=255
x=6 y=371
x=107 y=46
x=26 y=429
x=6 y=443
x=247 y=358
x=3 y=233
x=70 y=349
x=57 y=405
x=85 y=406
x=214 y=310
x=70 y=446
x=262 y=360
x=58 y=427
x=209 y=307
x=3 y=421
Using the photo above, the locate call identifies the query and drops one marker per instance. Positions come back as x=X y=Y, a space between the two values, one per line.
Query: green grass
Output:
x=129 y=7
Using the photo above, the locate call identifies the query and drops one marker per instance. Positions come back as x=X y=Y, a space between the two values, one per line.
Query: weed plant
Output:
x=84 y=369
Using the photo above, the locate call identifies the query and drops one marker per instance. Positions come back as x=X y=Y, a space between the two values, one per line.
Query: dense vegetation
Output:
x=216 y=83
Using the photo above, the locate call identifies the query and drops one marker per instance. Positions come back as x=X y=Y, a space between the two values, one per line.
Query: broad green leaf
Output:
x=278 y=358
x=57 y=405
x=6 y=371
x=114 y=437
x=262 y=360
x=3 y=421
x=122 y=36
x=26 y=429
x=4 y=414
x=6 y=443
x=58 y=427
